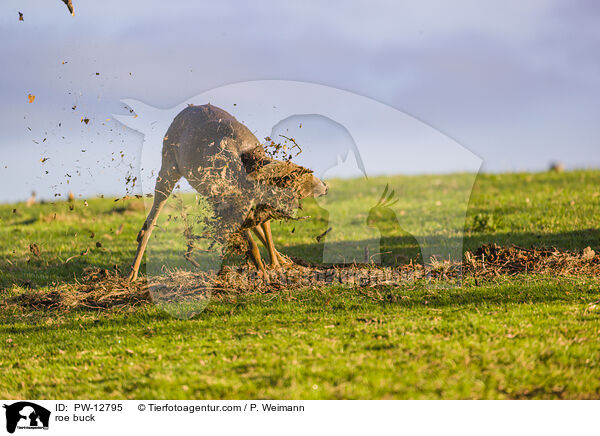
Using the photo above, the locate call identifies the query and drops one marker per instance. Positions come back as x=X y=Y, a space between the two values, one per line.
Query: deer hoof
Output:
x=284 y=260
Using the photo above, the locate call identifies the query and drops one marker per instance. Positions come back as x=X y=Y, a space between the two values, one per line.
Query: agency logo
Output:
x=394 y=218
x=26 y=415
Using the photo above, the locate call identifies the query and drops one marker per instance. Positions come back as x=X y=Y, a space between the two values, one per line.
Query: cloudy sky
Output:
x=516 y=83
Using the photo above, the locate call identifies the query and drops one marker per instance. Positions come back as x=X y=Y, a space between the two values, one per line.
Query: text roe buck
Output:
x=225 y=162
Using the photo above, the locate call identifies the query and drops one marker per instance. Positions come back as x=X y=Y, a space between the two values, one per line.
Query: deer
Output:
x=206 y=145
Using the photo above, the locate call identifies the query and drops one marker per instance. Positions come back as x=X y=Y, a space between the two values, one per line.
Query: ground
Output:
x=520 y=336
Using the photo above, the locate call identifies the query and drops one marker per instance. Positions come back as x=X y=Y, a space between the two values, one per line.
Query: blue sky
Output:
x=516 y=83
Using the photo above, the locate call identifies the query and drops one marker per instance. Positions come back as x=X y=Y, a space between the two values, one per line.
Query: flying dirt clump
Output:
x=69 y=4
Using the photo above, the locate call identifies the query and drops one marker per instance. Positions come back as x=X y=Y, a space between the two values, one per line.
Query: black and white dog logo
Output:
x=26 y=415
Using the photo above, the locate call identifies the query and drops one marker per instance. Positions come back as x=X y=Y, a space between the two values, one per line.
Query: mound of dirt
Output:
x=495 y=260
x=100 y=288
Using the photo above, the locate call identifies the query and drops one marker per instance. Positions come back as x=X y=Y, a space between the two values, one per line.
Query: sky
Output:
x=515 y=84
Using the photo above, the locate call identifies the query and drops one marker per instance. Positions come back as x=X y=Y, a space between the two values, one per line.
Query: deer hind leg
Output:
x=263 y=231
x=258 y=231
x=254 y=252
x=266 y=228
x=164 y=186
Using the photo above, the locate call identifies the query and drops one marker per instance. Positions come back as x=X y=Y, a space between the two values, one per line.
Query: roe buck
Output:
x=225 y=162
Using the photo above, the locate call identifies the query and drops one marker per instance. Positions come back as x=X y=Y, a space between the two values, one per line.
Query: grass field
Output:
x=528 y=336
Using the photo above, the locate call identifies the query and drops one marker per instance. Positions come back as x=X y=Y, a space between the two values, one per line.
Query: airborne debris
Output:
x=83 y=253
x=69 y=4
x=20 y=16
x=31 y=98
x=322 y=235
x=282 y=151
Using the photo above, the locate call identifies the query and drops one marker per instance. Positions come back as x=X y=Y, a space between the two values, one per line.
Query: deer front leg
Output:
x=164 y=186
x=281 y=258
x=143 y=237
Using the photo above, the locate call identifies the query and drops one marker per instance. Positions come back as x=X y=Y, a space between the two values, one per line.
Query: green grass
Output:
x=521 y=337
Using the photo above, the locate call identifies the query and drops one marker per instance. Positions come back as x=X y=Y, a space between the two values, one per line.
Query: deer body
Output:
x=198 y=132
x=207 y=145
